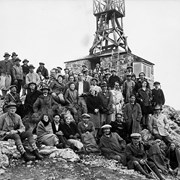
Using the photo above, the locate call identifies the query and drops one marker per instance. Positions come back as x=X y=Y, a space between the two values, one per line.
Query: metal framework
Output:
x=109 y=30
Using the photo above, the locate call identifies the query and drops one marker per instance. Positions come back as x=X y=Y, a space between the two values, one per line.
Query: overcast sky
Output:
x=54 y=31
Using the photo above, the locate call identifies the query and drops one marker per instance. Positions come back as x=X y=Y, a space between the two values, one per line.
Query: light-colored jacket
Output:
x=32 y=77
x=8 y=123
x=158 y=125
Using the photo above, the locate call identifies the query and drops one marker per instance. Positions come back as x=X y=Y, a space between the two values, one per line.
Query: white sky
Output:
x=54 y=31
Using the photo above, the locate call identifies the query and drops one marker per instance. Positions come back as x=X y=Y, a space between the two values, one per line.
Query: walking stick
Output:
x=154 y=174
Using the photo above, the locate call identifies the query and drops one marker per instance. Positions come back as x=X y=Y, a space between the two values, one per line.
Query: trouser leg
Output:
x=18 y=142
x=155 y=169
x=139 y=168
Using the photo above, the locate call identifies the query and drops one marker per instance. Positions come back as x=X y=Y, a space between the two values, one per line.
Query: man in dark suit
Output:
x=43 y=70
x=57 y=129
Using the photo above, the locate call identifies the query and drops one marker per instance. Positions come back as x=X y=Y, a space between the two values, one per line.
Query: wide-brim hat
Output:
x=135 y=135
x=17 y=59
x=156 y=83
x=14 y=54
x=103 y=84
x=6 y=54
x=31 y=66
x=84 y=65
x=158 y=107
x=12 y=86
x=25 y=60
x=59 y=68
x=95 y=79
x=106 y=126
x=85 y=115
x=113 y=70
x=11 y=104
x=32 y=83
x=45 y=88
x=41 y=63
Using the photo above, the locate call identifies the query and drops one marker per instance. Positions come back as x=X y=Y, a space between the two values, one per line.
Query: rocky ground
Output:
x=58 y=167
x=90 y=168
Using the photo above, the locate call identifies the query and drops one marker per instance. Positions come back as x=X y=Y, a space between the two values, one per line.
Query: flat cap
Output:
x=113 y=70
x=11 y=104
x=31 y=66
x=86 y=115
x=156 y=82
x=106 y=126
x=41 y=63
x=17 y=59
x=13 y=86
x=135 y=135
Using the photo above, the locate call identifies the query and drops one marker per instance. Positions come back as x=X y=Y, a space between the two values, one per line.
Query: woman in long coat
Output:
x=132 y=116
x=45 y=133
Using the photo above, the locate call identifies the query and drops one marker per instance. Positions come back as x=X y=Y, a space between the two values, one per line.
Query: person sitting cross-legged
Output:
x=11 y=127
x=112 y=145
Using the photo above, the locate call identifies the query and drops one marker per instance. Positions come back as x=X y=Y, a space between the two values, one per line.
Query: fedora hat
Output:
x=32 y=83
x=25 y=60
x=17 y=59
x=6 y=54
x=14 y=54
x=31 y=66
x=12 y=86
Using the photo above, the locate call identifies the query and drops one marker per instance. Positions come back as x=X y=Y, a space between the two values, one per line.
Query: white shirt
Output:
x=80 y=88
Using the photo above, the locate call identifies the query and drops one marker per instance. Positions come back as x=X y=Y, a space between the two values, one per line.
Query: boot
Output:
x=37 y=155
x=28 y=157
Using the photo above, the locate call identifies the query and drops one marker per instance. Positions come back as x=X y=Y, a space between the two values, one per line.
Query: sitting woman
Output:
x=71 y=133
x=173 y=154
x=45 y=133
x=87 y=131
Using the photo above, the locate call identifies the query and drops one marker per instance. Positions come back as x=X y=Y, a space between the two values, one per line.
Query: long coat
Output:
x=135 y=154
x=45 y=105
x=132 y=117
x=158 y=97
x=8 y=123
x=86 y=86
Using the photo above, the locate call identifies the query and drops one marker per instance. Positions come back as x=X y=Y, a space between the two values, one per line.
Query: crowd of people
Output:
x=94 y=111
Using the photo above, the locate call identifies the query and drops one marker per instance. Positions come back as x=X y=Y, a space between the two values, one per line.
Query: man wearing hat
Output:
x=84 y=68
x=157 y=95
x=94 y=85
x=132 y=116
x=114 y=78
x=31 y=97
x=137 y=158
x=13 y=96
x=25 y=68
x=87 y=132
x=32 y=76
x=17 y=74
x=11 y=127
x=45 y=104
x=106 y=104
x=158 y=125
x=43 y=70
x=112 y=145
x=128 y=88
x=138 y=84
x=5 y=73
x=14 y=56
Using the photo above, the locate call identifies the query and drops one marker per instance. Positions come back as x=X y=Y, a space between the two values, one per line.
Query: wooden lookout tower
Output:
x=109 y=33
x=110 y=48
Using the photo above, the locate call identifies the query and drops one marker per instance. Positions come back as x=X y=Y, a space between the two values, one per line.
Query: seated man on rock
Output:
x=112 y=145
x=11 y=127
x=13 y=96
x=158 y=125
x=137 y=157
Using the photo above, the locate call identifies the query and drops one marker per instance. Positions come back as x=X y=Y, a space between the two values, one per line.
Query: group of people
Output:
x=92 y=111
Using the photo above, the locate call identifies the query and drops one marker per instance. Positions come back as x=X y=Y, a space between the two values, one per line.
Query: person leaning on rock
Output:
x=11 y=127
